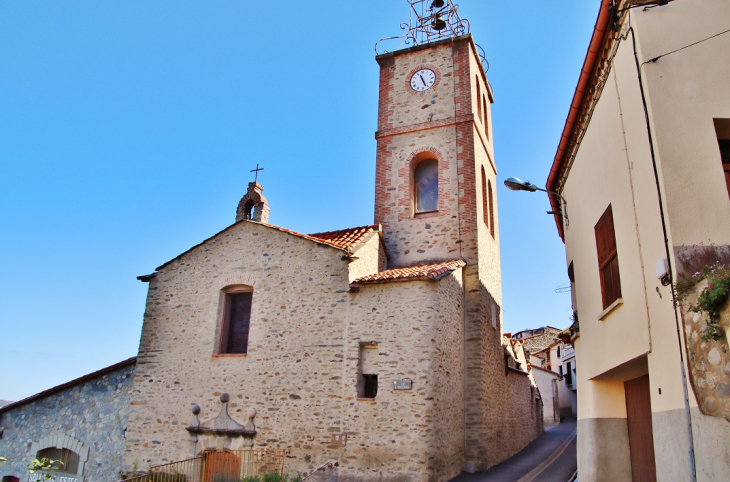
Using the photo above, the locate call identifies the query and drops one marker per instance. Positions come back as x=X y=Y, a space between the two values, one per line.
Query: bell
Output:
x=438 y=3
x=438 y=22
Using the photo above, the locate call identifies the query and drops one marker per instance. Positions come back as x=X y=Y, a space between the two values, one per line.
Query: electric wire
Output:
x=690 y=435
x=650 y=61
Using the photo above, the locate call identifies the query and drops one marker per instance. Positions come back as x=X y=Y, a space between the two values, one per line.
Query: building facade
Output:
x=81 y=423
x=380 y=347
x=641 y=166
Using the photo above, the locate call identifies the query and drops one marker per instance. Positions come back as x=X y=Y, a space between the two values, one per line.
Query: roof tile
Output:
x=421 y=272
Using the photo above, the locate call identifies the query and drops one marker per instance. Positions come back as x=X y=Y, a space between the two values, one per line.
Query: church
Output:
x=375 y=349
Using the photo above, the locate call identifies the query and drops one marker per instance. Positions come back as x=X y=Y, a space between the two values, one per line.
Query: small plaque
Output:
x=339 y=439
x=404 y=384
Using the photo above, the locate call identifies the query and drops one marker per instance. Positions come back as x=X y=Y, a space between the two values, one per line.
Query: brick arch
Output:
x=406 y=208
x=62 y=441
x=417 y=157
x=253 y=203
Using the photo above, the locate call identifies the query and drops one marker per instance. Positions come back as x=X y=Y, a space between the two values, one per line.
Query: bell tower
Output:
x=435 y=192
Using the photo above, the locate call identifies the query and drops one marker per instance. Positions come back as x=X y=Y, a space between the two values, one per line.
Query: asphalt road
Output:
x=549 y=458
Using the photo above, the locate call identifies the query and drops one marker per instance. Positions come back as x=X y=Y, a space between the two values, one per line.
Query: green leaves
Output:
x=45 y=467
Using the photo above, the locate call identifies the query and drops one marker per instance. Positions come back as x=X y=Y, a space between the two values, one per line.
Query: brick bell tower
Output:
x=435 y=196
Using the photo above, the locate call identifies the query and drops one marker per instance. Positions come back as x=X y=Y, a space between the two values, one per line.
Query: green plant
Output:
x=272 y=477
x=712 y=298
x=251 y=478
x=44 y=467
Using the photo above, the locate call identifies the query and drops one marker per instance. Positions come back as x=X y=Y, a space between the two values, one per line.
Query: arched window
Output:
x=248 y=209
x=491 y=208
x=485 y=199
x=236 y=320
x=486 y=127
x=479 y=97
x=69 y=460
x=426 y=182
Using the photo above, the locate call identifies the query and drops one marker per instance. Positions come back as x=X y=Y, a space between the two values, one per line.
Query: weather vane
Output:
x=256 y=179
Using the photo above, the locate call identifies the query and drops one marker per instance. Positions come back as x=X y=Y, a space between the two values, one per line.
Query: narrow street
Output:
x=550 y=458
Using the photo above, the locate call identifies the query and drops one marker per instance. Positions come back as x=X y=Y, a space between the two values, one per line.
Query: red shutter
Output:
x=607 y=258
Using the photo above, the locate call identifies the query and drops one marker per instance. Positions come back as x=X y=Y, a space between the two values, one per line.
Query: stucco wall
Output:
x=88 y=418
x=685 y=91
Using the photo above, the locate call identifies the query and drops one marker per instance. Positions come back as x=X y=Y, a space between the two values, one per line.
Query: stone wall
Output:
x=88 y=418
x=302 y=366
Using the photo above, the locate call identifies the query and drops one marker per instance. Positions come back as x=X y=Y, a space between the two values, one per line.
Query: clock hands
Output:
x=424 y=82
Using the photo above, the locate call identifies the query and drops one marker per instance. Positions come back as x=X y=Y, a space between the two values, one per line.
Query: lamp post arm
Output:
x=563 y=202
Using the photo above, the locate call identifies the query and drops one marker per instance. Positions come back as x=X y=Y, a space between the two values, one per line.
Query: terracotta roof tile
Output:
x=346 y=238
x=421 y=272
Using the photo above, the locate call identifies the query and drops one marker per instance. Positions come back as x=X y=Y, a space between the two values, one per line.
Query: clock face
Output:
x=423 y=80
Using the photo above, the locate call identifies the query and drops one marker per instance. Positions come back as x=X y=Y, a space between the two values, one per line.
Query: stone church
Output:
x=377 y=347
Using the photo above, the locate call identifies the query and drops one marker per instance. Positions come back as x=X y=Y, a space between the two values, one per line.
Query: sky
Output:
x=128 y=130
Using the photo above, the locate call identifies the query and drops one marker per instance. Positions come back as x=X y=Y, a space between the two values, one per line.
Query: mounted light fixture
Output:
x=517 y=184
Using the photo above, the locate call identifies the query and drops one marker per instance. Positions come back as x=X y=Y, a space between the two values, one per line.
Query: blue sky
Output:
x=128 y=130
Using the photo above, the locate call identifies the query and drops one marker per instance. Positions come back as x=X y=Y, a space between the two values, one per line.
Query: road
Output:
x=549 y=458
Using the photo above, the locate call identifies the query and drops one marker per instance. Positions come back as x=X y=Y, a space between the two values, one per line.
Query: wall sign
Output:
x=404 y=384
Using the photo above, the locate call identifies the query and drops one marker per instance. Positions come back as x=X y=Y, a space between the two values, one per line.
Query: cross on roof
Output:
x=256 y=179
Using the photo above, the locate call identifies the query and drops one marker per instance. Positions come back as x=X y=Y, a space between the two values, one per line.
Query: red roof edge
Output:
x=599 y=34
x=64 y=386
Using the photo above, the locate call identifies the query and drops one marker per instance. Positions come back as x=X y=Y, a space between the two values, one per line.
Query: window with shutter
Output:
x=236 y=322
x=607 y=258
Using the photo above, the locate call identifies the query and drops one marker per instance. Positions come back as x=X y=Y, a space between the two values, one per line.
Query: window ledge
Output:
x=227 y=355
x=604 y=314
x=426 y=214
x=365 y=399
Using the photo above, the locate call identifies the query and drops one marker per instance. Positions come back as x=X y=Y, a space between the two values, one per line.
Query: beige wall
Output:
x=685 y=91
x=302 y=366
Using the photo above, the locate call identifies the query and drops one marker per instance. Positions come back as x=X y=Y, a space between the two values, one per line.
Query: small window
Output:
x=491 y=208
x=236 y=322
x=485 y=199
x=486 y=127
x=558 y=351
x=479 y=103
x=426 y=186
x=607 y=258
x=370 y=385
x=568 y=375
x=560 y=370
x=367 y=383
x=68 y=461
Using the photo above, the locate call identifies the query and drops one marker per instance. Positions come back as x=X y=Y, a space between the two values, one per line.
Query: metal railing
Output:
x=217 y=466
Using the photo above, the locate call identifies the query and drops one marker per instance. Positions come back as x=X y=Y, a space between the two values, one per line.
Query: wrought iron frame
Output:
x=420 y=27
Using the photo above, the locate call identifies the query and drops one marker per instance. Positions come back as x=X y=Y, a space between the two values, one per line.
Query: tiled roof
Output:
x=421 y=272
x=345 y=238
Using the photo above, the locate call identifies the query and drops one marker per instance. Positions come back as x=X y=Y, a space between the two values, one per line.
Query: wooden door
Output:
x=641 y=439
x=222 y=467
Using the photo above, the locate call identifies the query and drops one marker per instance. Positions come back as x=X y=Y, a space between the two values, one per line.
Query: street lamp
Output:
x=517 y=184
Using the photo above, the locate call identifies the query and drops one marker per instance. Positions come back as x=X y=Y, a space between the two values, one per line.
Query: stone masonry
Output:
x=88 y=417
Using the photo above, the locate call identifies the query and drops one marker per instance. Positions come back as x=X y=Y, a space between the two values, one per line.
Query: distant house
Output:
x=82 y=423
x=555 y=367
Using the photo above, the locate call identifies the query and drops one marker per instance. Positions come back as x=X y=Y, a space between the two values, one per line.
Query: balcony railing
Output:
x=217 y=466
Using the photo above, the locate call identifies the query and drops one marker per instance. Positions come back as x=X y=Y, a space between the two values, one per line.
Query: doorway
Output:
x=641 y=437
